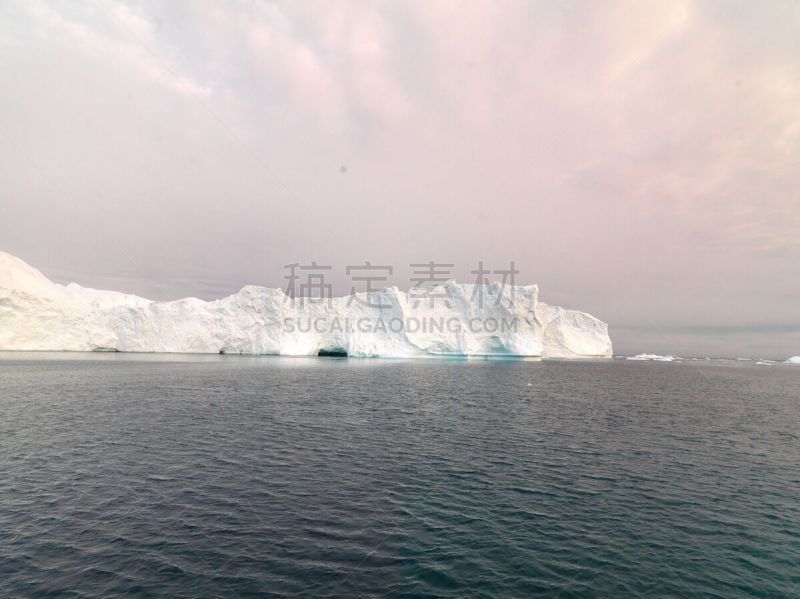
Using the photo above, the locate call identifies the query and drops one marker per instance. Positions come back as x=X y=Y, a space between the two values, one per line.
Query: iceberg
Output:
x=38 y=314
x=793 y=360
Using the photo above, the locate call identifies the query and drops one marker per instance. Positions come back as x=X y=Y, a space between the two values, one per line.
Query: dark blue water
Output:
x=230 y=476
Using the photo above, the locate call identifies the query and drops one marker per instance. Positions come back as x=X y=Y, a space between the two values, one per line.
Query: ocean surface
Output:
x=228 y=476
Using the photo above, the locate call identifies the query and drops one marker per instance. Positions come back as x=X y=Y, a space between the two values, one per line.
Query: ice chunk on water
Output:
x=37 y=314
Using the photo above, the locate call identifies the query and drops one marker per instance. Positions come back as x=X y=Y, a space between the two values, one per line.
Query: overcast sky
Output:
x=638 y=160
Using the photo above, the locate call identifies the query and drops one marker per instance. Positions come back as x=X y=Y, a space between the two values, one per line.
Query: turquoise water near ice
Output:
x=230 y=476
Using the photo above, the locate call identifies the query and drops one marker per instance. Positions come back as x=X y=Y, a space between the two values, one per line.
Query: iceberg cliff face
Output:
x=37 y=314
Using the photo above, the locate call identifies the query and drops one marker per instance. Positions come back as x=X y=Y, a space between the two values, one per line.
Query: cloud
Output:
x=132 y=50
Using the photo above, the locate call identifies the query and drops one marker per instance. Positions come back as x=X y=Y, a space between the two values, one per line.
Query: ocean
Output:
x=185 y=476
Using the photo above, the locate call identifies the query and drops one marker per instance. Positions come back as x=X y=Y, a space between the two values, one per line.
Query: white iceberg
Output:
x=652 y=358
x=793 y=360
x=37 y=314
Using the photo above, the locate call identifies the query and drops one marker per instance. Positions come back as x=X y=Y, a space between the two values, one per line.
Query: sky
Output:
x=638 y=160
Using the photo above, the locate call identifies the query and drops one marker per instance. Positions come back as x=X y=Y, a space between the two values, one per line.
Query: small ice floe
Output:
x=652 y=358
x=793 y=360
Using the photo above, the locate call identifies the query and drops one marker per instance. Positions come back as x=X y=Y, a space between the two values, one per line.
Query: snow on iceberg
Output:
x=37 y=314
x=793 y=360
x=652 y=358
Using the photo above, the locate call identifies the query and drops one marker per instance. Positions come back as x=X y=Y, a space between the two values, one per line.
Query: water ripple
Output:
x=244 y=476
